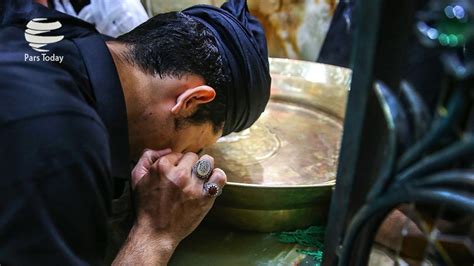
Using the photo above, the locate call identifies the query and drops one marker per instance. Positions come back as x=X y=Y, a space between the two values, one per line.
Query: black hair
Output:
x=174 y=44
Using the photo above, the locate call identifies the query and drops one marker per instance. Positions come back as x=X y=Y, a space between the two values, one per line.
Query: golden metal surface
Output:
x=281 y=170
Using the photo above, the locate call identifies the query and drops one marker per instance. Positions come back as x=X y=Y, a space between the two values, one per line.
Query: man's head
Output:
x=181 y=90
x=190 y=77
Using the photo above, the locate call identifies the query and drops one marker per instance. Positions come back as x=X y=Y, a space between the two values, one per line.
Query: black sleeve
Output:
x=55 y=191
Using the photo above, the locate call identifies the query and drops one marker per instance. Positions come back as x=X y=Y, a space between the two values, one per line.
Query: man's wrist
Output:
x=152 y=238
x=146 y=246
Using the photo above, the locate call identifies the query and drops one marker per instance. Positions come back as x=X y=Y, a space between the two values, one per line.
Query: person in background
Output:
x=112 y=18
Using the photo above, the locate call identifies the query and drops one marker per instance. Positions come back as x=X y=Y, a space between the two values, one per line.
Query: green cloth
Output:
x=312 y=237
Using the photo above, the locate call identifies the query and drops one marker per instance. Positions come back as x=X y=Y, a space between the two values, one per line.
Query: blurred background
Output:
x=295 y=28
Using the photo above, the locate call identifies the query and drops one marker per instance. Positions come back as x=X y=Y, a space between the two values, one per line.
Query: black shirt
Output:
x=63 y=136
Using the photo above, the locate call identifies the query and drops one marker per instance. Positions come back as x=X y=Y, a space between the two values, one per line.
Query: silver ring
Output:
x=212 y=189
x=202 y=169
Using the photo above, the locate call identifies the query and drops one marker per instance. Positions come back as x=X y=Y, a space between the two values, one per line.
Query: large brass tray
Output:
x=282 y=169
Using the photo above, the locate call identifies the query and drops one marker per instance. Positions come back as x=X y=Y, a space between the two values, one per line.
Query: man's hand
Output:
x=170 y=204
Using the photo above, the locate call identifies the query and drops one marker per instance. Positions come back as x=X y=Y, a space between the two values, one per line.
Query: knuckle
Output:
x=220 y=176
x=182 y=174
x=181 y=183
x=193 y=155
x=208 y=157
x=163 y=162
x=147 y=152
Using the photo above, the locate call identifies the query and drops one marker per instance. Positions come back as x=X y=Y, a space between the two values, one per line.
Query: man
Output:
x=74 y=111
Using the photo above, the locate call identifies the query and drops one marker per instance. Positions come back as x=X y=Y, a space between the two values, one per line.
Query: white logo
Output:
x=38 y=26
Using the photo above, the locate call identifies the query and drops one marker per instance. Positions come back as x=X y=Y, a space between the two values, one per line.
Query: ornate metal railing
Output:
x=396 y=148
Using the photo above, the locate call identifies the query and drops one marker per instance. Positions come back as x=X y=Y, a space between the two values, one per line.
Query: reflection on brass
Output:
x=281 y=170
x=293 y=144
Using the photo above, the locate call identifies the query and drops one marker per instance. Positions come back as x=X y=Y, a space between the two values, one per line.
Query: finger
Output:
x=208 y=158
x=181 y=175
x=167 y=162
x=150 y=156
x=213 y=188
x=203 y=167
x=145 y=162
x=218 y=177
x=188 y=160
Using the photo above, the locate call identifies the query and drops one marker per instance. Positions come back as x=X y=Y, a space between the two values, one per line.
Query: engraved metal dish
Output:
x=282 y=169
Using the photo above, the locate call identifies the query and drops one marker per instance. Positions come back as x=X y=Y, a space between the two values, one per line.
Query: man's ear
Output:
x=188 y=101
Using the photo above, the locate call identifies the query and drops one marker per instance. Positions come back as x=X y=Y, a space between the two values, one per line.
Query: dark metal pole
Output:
x=379 y=50
x=367 y=13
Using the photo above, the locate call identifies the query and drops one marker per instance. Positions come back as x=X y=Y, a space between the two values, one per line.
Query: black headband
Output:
x=242 y=45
